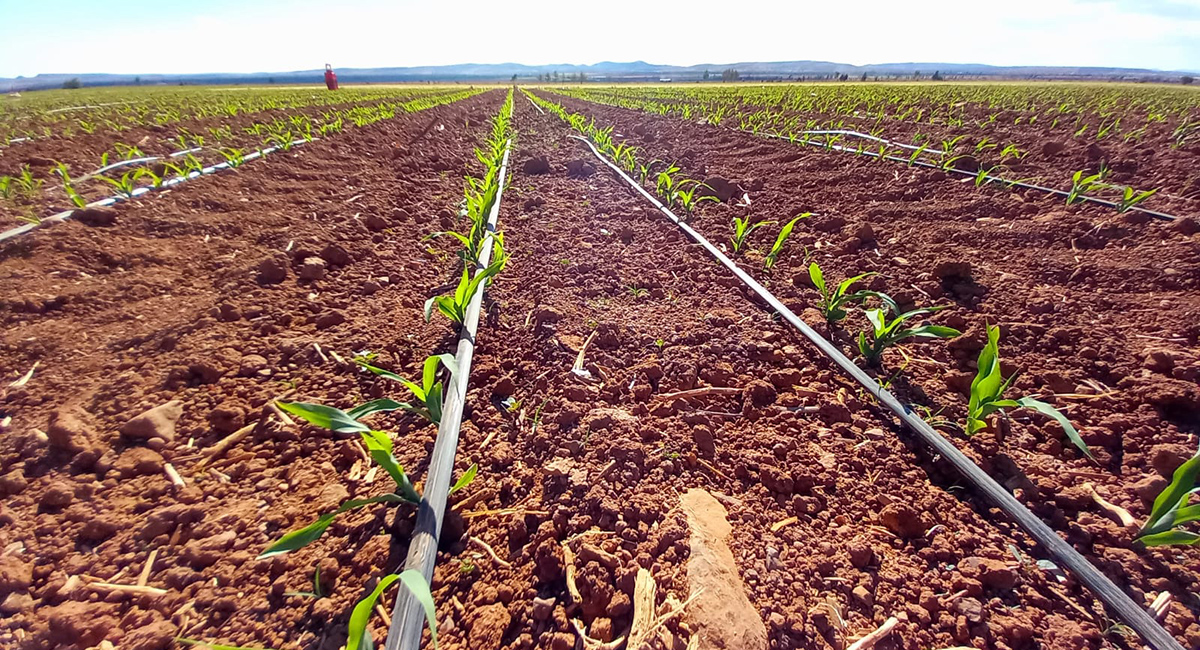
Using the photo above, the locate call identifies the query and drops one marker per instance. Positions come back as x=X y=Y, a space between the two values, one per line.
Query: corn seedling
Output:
x=1171 y=510
x=233 y=157
x=359 y=638
x=76 y=200
x=29 y=185
x=886 y=333
x=835 y=299
x=781 y=238
x=741 y=231
x=1130 y=198
x=127 y=152
x=454 y=306
x=428 y=394
x=379 y=446
x=987 y=395
x=126 y=184
x=6 y=187
x=916 y=154
x=688 y=200
x=1081 y=185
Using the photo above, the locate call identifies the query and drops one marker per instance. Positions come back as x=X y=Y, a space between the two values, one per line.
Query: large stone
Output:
x=158 y=422
x=721 y=615
x=68 y=429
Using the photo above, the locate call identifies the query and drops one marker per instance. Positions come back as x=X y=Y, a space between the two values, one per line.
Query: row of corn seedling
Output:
x=428 y=391
x=889 y=325
x=24 y=191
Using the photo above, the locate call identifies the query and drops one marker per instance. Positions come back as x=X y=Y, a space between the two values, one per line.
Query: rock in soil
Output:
x=721 y=614
x=158 y=422
x=97 y=216
x=902 y=520
x=537 y=165
x=272 y=270
x=68 y=429
x=313 y=268
x=15 y=574
x=580 y=169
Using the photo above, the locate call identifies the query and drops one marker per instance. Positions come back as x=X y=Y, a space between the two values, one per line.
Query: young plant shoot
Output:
x=886 y=333
x=987 y=395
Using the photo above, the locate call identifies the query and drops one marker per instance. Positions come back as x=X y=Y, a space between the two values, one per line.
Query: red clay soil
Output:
x=1095 y=308
x=82 y=154
x=838 y=523
x=1052 y=156
x=196 y=297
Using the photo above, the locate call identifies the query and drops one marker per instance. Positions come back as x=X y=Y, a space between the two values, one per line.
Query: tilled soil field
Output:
x=631 y=406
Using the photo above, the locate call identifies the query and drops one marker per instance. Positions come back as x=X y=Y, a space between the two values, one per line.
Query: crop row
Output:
x=989 y=128
x=889 y=325
x=428 y=392
x=28 y=195
x=65 y=114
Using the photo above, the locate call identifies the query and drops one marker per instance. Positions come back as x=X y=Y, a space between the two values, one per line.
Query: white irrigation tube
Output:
x=118 y=198
x=539 y=108
x=1129 y=612
x=988 y=177
x=408 y=617
x=873 y=154
x=867 y=136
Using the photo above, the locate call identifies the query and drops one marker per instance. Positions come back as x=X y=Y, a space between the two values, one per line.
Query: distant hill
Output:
x=604 y=71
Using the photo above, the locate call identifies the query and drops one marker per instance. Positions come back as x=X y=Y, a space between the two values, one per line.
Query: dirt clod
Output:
x=272 y=270
x=158 y=422
x=487 y=629
x=536 y=165
x=903 y=520
x=313 y=268
x=96 y=216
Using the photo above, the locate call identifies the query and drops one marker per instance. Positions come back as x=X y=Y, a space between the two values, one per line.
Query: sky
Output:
x=81 y=36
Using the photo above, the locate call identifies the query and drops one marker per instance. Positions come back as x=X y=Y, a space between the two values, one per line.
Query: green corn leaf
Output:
x=817 y=277
x=379 y=371
x=325 y=417
x=379 y=445
x=377 y=406
x=932 y=331
x=433 y=402
x=1186 y=514
x=302 y=537
x=1183 y=482
x=415 y=582
x=465 y=480
x=848 y=282
x=358 y=639
x=1057 y=416
x=1171 y=538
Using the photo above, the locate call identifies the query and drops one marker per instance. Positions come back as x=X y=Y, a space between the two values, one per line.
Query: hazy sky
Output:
x=277 y=35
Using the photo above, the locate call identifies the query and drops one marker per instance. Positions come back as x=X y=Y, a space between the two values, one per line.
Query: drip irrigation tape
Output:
x=1127 y=611
x=408 y=617
x=989 y=178
x=167 y=184
x=539 y=108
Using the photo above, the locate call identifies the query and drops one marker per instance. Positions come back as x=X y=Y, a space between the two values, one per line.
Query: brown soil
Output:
x=82 y=154
x=1053 y=155
x=834 y=516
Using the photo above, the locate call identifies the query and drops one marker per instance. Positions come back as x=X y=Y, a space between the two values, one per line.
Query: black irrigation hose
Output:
x=408 y=618
x=990 y=178
x=1128 y=611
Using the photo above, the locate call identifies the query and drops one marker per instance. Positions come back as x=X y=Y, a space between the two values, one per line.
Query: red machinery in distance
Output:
x=330 y=78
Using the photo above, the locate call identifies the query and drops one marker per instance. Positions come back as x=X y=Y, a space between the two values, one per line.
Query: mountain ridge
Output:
x=604 y=70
